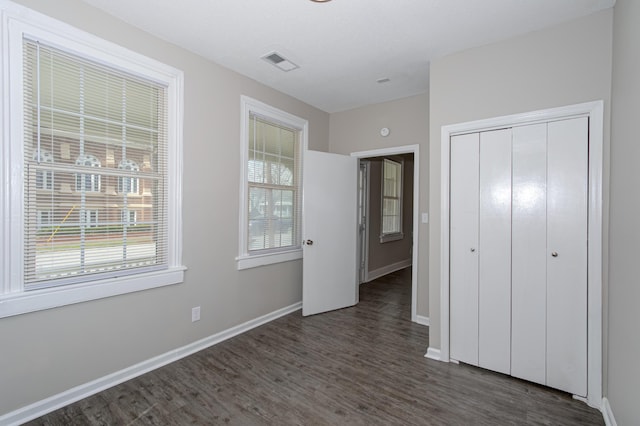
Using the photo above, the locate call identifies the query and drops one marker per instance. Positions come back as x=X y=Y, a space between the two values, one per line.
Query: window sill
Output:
x=391 y=237
x=247 y=261
x=38 y=300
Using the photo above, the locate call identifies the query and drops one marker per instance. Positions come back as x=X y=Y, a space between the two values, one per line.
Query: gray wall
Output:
x=566 y=64
x=385 y=254
x=408 y=119
x=47 y=352
x=624 y=268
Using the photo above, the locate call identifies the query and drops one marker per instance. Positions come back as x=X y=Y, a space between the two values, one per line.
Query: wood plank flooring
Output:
x=357 y=366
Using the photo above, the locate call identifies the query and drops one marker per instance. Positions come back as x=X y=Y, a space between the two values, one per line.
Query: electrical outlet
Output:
x=195 y=314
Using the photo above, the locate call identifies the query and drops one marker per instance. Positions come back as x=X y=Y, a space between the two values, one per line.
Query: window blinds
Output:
x=391 y=197
x=273 y=185
x=95 y=170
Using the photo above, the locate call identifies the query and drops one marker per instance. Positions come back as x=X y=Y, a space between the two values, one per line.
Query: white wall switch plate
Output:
x=195 y=314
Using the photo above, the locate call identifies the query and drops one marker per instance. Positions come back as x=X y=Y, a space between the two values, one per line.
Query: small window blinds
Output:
x=273 y=185
x=391 y=197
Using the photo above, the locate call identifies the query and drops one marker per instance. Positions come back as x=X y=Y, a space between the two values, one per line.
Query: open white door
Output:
x=330 y=230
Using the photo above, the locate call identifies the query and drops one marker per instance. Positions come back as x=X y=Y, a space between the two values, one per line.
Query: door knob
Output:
x=554 y=254
x=473 y=250
x=309 y=242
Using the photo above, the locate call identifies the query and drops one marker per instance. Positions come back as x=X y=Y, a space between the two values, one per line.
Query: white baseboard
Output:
x=433 y=353
x=607 y=413
x=77 y=393
x=423 y=320
x=380 y=272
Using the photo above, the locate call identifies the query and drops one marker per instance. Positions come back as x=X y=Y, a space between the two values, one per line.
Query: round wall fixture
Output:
x=384 y=132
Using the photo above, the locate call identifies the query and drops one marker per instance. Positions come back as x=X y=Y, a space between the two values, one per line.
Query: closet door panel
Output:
x=463 y=272
x=567 y=255
x=529 y=262
x=494 y=252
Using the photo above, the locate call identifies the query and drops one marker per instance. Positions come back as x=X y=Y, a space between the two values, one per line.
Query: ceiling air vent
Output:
x=279 y=61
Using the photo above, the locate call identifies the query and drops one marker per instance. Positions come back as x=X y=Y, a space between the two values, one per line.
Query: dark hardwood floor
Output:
x=357 y=366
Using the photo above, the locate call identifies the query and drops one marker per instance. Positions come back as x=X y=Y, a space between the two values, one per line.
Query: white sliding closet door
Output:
x=494 y=251
x=529 y=253
x=463 y=288
x=518 y=252
x=567 y=173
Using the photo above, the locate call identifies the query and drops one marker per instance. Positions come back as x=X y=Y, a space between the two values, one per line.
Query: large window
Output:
x=87 y=112
x=272 y=141
x=391 y=201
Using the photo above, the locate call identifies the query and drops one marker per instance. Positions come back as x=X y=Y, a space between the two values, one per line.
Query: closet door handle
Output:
x=473 y=250
x=554 y=254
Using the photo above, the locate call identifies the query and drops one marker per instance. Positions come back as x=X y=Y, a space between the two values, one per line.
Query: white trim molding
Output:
x=607 y=413
x=77 y=393
x=595 y=112
x=387 y=269
x=434 y=353
x=422 y=320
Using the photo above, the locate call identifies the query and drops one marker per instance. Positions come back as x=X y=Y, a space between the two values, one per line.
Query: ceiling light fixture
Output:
x=320 y=1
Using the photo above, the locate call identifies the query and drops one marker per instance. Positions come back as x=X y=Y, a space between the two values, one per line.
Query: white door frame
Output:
x=415 y=150
x=594 y=110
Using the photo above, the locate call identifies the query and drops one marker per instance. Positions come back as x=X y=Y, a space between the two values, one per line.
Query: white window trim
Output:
x=248 y=106
x=16 y=20
x=392 y=236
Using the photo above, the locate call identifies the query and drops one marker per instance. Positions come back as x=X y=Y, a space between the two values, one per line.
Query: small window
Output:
x=128 y=184
x=44 y=177
x=89 y=182
x=272 y=142
x=89 y=218
x=391 y=201
x=45 y=219
x=129 y=217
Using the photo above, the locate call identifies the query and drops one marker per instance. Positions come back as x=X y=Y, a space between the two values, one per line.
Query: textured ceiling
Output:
x=344 y=46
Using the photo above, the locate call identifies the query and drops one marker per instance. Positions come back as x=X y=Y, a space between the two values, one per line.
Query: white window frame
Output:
x=44 y=218
x=90 y=217
x=391 y=236
x=15 y=22
x=88 y=182
x=129 y=216
x=129 y=185
x=250 y=106
x=44 y=179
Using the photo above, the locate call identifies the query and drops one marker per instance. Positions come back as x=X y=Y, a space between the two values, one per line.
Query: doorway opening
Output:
x=388 y=213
